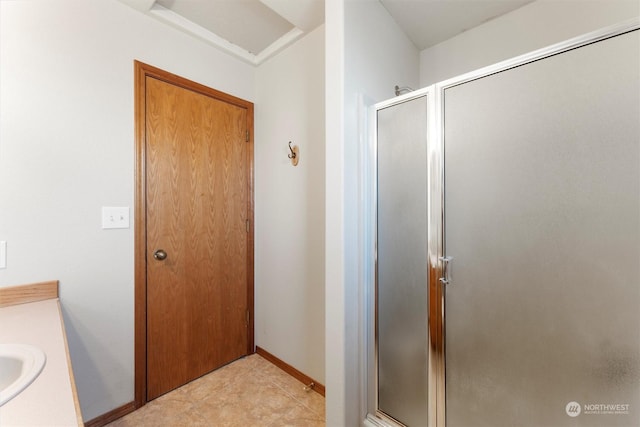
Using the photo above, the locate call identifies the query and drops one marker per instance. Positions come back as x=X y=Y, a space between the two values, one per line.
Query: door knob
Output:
x=160 y=254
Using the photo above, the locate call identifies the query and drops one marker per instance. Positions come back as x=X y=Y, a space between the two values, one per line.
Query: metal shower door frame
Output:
x=435 y=299
x=437 y=204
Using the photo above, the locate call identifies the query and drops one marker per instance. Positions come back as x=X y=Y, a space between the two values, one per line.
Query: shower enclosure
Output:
x=507 y=285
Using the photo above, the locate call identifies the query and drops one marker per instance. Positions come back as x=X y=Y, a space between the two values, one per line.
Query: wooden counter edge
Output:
x=74 y=391
x=22 y=294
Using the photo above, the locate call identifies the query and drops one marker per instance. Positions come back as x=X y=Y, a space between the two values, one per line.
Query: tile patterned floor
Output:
x=248 y=392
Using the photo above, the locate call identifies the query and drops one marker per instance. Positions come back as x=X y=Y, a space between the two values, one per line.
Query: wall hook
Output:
x=294 y=154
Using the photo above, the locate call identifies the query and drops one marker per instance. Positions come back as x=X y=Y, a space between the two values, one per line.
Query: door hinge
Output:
x=247 y=140
x=247 y=226
x=248 y=317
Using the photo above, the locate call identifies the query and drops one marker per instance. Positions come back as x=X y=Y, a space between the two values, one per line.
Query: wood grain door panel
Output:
x=197 y=198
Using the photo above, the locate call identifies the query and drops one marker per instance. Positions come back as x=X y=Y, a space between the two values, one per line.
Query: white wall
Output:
x=367 y=55
x=534 y=26
x=67 y=148
x=289 y=205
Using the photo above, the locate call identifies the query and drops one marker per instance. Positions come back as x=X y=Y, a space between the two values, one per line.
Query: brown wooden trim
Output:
x=305 y=379
x=140 y=226
x=21 y=294
x=250 y=238
x=112 y=415
x=141 y=72
x=145 y=70
x=72 y=380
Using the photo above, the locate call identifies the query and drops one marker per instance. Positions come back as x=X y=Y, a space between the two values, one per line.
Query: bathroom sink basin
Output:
x=20 y=365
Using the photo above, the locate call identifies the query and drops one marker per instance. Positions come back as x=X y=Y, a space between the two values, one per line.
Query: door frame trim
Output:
x=141 y=72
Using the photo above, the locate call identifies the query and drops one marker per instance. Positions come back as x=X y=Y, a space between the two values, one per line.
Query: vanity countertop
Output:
x=51 y=399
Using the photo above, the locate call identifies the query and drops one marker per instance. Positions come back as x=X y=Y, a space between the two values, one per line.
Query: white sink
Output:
x=20 y=365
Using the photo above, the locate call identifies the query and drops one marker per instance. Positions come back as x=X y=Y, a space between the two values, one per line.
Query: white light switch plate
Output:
x=115 y=217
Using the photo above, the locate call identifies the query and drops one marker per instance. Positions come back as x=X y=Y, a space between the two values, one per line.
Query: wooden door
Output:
x=198 y=247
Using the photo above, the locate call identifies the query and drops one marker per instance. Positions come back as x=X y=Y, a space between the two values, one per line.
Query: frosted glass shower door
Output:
x=401 y=285
x=542 y=218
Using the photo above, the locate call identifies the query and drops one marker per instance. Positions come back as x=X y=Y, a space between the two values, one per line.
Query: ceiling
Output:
x=255 y=30
x=429 y=22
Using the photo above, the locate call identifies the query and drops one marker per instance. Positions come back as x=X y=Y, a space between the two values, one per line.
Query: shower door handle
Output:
x=446 y=270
